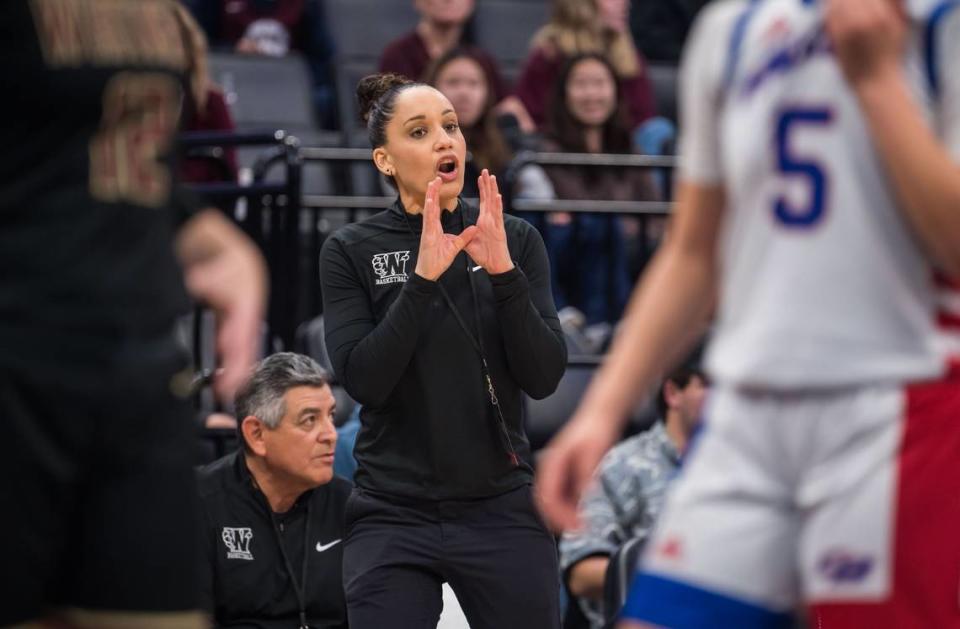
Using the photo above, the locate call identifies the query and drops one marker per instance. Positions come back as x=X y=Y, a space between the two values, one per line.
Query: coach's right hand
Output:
x=438 y=249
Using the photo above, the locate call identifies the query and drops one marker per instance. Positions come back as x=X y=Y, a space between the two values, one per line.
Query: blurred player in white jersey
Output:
x=819 y=198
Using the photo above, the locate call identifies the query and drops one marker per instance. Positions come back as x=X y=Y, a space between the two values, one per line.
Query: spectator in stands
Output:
x=266 y=27
x=660 y=27
x=587 y=251
x=205 y=109
x=585 y=26
x=439 y=319
x=461 y=75
x=209 y=112
x=623 y=502
x=273 y=512
x=444 y=25
x=273 y=28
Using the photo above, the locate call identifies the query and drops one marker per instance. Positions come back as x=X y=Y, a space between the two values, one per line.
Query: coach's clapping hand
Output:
x=438 y=249
x=489 y=247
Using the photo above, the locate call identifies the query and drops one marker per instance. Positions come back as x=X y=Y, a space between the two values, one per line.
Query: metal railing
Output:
x=273 y=212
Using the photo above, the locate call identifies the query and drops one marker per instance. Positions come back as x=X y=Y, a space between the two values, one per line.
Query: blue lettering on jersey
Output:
x=786 y=58
x=806 y=216
x=841 y=566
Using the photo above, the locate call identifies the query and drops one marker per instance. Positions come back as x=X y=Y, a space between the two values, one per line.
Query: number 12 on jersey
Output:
x=791 y=122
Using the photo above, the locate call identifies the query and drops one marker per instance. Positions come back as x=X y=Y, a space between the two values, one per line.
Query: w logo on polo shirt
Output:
x=237 y=541
x=391 y=267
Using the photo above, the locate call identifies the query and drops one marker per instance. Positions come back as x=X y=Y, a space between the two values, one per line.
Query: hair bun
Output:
x=371 y=88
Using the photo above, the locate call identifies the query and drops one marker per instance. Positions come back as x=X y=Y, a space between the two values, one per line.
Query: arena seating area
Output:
x=298 y=181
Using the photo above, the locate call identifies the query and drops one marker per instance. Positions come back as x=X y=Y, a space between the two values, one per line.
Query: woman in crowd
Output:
x=587 y=251
x=273 y=28
x=443 y=26
x=578 y=27
x=461 y=76
x=204 y=108
x=439 y=317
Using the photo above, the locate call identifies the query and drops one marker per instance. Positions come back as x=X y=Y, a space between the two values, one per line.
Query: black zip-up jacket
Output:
x=244 y=581
x=429 y=430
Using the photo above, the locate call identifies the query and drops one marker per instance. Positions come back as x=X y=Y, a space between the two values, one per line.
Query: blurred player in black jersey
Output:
x=97 y=247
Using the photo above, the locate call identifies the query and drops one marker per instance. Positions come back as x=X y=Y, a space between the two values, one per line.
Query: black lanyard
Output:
x=476 y=341
x=299 y=587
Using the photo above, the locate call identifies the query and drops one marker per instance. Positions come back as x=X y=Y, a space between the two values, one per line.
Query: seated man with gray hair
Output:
x=273 y=511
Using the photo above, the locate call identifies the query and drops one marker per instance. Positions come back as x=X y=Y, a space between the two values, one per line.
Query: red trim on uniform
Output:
x=948 y=320
x=943 y=281
x=926 y=569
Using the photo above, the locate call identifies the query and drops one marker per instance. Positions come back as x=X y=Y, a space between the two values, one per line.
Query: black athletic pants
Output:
x=495 y=553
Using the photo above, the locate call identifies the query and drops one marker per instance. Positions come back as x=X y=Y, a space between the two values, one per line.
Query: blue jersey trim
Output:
x=736 y=42
x=930 y=43
x=668 y=603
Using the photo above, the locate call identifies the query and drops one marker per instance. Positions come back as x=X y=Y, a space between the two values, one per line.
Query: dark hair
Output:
x=486 y=141
x=376 y=95
x=680 y=377
x=568 y=132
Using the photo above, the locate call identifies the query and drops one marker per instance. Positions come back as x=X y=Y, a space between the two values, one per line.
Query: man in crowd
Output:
x=623 y=502
x=273 y=512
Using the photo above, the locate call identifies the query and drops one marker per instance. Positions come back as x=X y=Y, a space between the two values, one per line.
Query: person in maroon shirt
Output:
x=578 y=27
x=238 y=15
x=444 y=25
x=211 y=113
x=205 y=108
x=459 y=75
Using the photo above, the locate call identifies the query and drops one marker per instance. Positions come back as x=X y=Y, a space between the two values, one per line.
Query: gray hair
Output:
x=262 y=395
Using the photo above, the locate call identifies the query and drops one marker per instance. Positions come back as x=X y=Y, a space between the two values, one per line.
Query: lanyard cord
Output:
x=476 y=341
x=299 y=587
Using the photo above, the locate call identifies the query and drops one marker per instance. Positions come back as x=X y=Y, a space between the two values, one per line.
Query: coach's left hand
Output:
x=489 y=246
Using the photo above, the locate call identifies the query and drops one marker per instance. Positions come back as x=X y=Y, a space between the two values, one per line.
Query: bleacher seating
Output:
x=269 y=93
x=360 y=30
x=544 y=417
x=663 y=79
x=310 y=342
x=364 y=176
x=504 y=28
x=266 y=93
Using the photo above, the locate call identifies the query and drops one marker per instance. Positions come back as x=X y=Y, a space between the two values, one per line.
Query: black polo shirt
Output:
x=246 y=582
